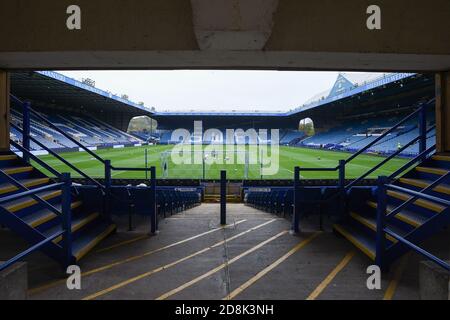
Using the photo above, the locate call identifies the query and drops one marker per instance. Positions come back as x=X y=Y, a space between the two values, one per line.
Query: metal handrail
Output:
x=30 y=250
x=57 y=156
x=382 y=217
x=421 y=108
x=419 y=194
x=32 y=192
x=54 y=127
x=129 y=169
x=320 y=169
x=428 y=188
x=32 y=156
x=418 y=249
x=410 y=116
x=29 y=192
x=411 y=162
x=386 y=160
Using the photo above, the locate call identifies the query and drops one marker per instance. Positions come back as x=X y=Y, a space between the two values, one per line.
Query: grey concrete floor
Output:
x=181 y=262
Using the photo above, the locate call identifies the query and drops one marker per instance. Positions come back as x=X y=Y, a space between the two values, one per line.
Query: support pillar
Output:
x=223 y=197
x=295 y=228
x=443 y=112
x=4 y=110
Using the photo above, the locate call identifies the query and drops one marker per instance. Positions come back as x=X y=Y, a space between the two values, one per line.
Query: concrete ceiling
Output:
x=226 y=34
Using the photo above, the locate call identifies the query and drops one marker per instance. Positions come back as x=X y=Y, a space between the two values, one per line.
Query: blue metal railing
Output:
x=27 y=192
x=30 y=250
x=383 y=217
x=64 y=214
x=28 y=111
x=421 y=138
x=341 y=167
x=105 y=188
x=57 y=156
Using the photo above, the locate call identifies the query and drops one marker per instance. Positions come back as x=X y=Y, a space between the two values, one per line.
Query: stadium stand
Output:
x=87 y=130
x=354 y=121
x=146 y=136
x=289 y=137
x=353 y=135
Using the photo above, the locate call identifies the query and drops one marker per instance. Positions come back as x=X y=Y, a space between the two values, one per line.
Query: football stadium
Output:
x=344 y=196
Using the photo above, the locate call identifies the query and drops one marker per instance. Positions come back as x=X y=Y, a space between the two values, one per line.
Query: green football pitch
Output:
x=289 y=157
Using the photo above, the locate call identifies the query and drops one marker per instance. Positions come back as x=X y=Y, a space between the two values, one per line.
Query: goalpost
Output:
x=204 y=163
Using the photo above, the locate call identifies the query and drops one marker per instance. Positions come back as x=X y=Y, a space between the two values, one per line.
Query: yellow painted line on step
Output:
x=369 y=224
x=324 y=284
x=355 y=241
x=436 y=171
x=170 y=245
x=17 y=170
x=129 y=259
x=94 y=242
x=51 y=215
x=149 y=273
x=32 y=183
x=393 y=284
x=30 y=202
x=400 y=216
x=442 y=188
x=220 y=267
x=269 y=268
x=79 y=225
x=441 y=158
x=8 y=157
x=423 y=203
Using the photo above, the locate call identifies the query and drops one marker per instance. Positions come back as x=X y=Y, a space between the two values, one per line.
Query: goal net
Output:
x=208 y=162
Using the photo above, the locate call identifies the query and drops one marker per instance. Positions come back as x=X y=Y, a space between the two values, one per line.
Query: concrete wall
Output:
x=4 y=110
x=14 y=282
x=320 y=34
x=443 y=112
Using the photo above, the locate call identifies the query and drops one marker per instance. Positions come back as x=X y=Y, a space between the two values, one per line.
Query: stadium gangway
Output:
x=27 y=111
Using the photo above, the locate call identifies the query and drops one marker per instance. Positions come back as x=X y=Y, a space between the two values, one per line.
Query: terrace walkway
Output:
x=254 y=257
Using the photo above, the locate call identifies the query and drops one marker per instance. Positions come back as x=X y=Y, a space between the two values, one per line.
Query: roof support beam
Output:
x=271 y=34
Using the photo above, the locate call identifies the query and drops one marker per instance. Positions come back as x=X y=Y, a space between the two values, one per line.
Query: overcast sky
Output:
x=212 y=90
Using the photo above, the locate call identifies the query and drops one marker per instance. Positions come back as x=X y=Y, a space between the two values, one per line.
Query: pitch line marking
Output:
x=324 y=284
x=220 y=267
x=393 y=284
x=169 y=265
x=272 y=266
x=129 y=259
